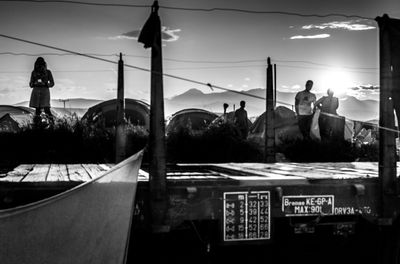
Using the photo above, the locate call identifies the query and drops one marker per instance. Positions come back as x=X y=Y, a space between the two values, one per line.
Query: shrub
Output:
x=69 y=140
x=218 y=143
x=300 y=150
x=72 y=140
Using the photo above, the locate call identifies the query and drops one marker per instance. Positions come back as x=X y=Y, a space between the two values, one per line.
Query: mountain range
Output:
x=349 y=106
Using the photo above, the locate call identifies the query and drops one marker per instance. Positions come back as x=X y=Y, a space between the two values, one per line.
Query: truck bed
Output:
x=244 y=198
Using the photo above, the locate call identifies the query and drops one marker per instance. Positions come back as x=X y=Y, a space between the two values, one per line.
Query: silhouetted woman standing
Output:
x=41 y=81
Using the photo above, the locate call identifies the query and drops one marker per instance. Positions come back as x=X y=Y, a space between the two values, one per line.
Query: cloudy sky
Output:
x=224 y=48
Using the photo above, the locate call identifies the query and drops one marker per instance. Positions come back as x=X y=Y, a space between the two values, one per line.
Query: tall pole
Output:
x=387 y=143
x=157 y=172
x=275 y=86
x=387 y=146
x=269 y=121
x=120 y=133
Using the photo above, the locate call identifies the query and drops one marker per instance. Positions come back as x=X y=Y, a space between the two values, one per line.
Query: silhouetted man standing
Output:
x=329 y=126
x=241 y=120
x=304 y=109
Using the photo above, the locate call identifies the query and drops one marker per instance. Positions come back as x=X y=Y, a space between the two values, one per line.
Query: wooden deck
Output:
x=54 y=173
x=199 y=191
x=41 y=173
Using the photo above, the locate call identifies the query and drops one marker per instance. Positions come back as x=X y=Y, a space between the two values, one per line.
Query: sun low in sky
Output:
x=225 y=43
x=337 y=79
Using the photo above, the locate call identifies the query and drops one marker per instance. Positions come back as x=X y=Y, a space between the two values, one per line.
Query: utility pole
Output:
x=275 y=86
x=63 y=100
x=387 y=146
x=120 y=132
x=269 y=156
x=151 y=37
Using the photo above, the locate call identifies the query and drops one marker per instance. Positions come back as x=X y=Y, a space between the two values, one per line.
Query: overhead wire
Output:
x=96 y=56
x=165 y=74
x=134 y=67
x=213 y=9
x=325 y=66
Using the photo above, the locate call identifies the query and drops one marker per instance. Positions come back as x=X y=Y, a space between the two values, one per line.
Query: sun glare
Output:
x=338 y=80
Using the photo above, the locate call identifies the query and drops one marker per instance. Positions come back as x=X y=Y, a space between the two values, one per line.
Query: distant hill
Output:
x=78 y=106
x=349 y=106
x=80 y=103
x=355 y=109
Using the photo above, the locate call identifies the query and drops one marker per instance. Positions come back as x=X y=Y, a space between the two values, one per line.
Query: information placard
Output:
x=307 y=205
x=246 y=215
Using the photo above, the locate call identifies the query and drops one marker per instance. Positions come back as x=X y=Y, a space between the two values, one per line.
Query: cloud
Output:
x=167 y=34
x=369 y=87
x=65 y=87
x=13 y=84
x=352 y=25
x=319 y=36
x=365 y=87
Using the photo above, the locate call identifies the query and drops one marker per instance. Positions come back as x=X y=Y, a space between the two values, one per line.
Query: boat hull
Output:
x=87 y=224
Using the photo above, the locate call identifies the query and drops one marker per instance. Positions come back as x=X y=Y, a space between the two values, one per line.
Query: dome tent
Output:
x=15 y=110
x=136 y=112
x=195 y=119
x=285 y=126
x=228 y=118
x=13 y=118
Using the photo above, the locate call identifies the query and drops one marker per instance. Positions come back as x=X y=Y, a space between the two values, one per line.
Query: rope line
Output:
x=367 y=123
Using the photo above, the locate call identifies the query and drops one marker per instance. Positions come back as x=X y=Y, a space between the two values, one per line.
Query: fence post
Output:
x=269 y=156
x=120 y=132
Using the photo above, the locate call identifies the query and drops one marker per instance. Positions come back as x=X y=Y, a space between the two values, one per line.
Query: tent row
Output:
x=137 y=112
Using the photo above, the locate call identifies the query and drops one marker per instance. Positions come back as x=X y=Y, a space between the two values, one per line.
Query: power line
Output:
x=167 y=75
x=325 y=69
x=199 y=61
x=69 y=51
x=326 y=65
x=78 y=3
x=53 y=54
x=135 y=67
x=213 y=9
x=200 y=68
x=267 y=12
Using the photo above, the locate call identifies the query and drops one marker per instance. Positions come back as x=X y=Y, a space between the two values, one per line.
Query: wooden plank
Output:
x=143 y=175
x=57 y=172
x=323 y=171
x=18 y=173
x=309 y=171
x=76 y=172
x=107 y=166
x=38 y=174
x=95 y=170
x=257 y=171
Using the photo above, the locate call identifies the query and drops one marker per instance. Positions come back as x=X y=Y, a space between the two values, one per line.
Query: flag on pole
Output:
x=151 y=28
